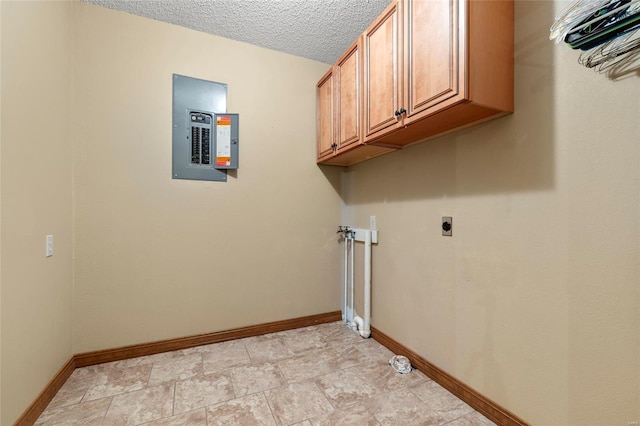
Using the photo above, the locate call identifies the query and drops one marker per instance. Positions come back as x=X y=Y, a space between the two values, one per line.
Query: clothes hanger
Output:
x=603 y=25
x=611 y=52
x=574 y=14
x=608 y=32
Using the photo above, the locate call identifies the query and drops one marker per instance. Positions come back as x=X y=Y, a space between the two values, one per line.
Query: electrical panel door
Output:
x=227 y=140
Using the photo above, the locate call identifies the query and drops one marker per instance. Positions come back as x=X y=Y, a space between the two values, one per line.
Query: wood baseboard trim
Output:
x=133 y=351
x=36 y=408
x=480 y=403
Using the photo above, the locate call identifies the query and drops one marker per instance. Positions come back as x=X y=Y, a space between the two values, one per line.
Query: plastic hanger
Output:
x=608 y=32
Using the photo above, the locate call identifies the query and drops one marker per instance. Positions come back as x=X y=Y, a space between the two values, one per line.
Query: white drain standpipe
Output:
x=345 y=280
x=368 y=237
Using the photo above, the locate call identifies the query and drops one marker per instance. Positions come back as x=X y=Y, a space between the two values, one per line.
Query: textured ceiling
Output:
x=314 y=29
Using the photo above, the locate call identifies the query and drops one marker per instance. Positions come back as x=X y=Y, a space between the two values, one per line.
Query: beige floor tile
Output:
x=302 y=340
x=304 y=423
x=311 y=364
x=440 y=400
x=338 y=334
x=472 y=419
x=374 y=351
x=181 y=368
x=347 y=356
x=297 y=402
x=131 y=362
x=249 y=410
x=195 y=349
x=355 y=415
x=111 y=381
x=85 y=414
x=201 y=391
x=224 y=356
x=320 y=362
x=85 y=374
x=328 y=327
x=147 y=359
x=345 y=387
x=73 y=390
x=91 y=373
x=228 y=346
x=267 y=348
x=141 y=406
x=256 y=378
x=192 y=418
x=401 y=407
x=68 y=396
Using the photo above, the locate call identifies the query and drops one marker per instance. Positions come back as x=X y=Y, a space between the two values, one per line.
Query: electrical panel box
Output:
x=199 y=122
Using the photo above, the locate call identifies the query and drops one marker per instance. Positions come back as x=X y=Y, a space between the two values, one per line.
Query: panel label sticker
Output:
x=223 y=140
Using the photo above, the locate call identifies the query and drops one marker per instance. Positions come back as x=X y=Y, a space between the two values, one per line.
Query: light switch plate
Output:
x=49 y=246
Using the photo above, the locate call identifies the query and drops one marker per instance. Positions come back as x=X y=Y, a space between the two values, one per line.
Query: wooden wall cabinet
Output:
x=427 y=68
x=325 y=132
x=340 y=136
x=382 y=68
x=455 y=69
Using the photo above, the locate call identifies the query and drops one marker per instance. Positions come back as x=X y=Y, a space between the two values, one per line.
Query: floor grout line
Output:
x=264 y=395
x=173 y=406
x=106 y=412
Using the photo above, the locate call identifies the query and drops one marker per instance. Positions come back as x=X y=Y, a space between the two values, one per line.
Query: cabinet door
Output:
x=381 y=85
x=432 y=55
x=348 y=96
x=325 y=115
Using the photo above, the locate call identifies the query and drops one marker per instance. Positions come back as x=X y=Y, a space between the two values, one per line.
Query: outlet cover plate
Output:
x=447 y=226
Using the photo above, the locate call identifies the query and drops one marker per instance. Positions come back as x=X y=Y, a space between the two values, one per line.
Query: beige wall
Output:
x=534 y=301
x=158 y=258
x=36 y=199
x=0 y=213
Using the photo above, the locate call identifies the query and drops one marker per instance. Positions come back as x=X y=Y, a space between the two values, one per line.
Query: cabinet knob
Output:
x=397 y=113
x=402 y=111
x=334 y=145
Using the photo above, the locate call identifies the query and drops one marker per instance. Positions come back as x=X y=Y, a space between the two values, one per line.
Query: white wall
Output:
x=534 y=301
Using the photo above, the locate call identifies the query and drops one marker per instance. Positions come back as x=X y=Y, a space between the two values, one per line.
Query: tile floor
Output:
x=319 y=375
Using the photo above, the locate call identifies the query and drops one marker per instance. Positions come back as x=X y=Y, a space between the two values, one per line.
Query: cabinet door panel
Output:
x=325 y=132
x=431 y=53
x=348 y=100
x=381 y=72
